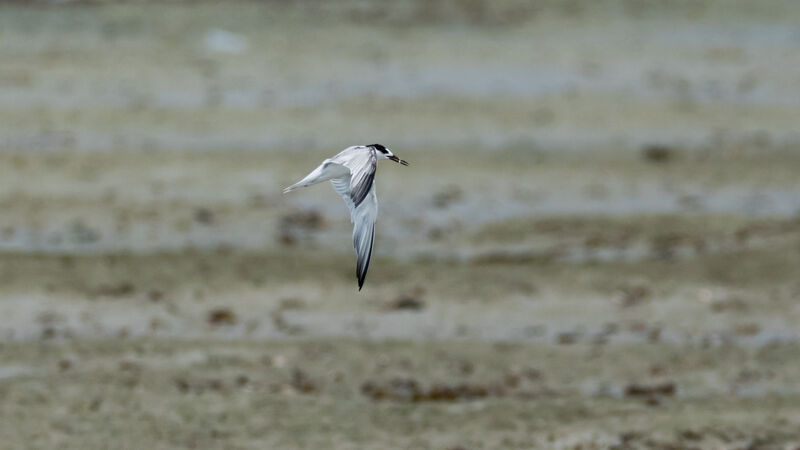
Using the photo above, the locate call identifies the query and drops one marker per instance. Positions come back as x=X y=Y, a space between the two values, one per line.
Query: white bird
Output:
x=352 y=174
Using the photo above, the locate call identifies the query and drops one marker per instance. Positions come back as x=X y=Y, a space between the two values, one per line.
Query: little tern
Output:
x=352 y=174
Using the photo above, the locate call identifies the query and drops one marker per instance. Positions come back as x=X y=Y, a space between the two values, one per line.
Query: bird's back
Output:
x=354 y=157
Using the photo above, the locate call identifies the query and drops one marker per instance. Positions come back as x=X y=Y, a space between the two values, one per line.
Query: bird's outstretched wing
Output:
x=358 y=191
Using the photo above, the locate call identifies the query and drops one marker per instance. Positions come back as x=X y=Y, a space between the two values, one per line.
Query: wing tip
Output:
x=361 y=275
x=361 y=269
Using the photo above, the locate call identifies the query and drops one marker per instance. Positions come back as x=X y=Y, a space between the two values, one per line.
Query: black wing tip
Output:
x=362 y=276
x=361 y=273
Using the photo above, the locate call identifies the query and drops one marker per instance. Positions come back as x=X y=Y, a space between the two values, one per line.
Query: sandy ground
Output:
x=596 y=245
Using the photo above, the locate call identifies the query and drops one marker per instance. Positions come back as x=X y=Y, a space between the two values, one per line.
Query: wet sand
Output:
x=596 y=245
x=165 y=393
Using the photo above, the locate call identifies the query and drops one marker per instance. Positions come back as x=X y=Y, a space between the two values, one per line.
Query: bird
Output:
x=352 y=174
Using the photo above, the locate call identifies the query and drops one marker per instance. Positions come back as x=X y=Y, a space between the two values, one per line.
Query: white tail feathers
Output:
x=324 y=172
x=307 y=181
x=291 y=188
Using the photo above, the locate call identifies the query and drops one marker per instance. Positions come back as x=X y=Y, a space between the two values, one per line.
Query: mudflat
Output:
x=596 y=244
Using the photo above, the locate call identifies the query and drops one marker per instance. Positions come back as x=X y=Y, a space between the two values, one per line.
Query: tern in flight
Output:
x=352 y=174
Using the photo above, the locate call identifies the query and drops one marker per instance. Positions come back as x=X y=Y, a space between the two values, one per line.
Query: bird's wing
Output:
x=358 y=191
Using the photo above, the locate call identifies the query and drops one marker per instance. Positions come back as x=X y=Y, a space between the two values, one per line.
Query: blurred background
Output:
x=596 y=243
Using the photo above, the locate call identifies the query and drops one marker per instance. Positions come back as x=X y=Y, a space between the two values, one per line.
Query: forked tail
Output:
x=310 y=179
x=324 y=172
x=292 y=187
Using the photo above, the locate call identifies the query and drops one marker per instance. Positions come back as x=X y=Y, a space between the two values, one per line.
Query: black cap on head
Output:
x=379 y=147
